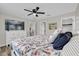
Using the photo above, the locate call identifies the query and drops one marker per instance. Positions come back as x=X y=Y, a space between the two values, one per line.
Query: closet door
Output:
x=31 y=28
x=43 y=28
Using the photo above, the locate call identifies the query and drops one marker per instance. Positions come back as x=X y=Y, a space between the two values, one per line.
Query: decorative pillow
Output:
x=54 y=35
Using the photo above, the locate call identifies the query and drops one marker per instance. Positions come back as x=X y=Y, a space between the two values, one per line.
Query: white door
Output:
x=43 y=28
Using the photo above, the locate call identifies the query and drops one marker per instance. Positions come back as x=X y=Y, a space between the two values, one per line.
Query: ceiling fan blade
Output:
x=27 y=10
x=29 y=14
x=40 y=12
x=37 y=8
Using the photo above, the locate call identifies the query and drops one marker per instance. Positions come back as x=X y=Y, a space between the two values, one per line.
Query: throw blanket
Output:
x=61 y=40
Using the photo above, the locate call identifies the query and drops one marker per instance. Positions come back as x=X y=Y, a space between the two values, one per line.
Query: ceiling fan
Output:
x=34 y=11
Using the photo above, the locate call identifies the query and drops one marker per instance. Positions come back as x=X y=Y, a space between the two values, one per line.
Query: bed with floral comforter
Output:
x=33 y=46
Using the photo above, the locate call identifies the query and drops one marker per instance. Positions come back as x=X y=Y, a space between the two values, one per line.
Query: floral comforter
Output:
x=33 y=46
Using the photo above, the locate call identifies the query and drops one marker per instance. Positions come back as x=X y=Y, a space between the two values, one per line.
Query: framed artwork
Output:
x=14 y=25
x=52 y=26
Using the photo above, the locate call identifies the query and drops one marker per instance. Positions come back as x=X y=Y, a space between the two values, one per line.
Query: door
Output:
x=43 y=28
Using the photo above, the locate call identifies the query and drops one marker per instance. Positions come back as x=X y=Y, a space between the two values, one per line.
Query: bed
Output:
x=40 y=46
x=32 y=46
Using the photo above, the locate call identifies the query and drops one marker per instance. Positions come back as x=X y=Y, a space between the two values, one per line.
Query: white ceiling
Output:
x=51 y=9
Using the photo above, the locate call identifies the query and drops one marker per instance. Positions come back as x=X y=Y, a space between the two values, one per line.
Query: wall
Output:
x=6 y=36
x=2 y=31
x=51 y=19
x=77 y=11
x=77 y=18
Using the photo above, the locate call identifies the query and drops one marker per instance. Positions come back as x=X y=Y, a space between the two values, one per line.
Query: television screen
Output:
x=14 y=25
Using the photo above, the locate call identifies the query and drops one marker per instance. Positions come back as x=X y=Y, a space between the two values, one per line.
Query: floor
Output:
x=5 y=51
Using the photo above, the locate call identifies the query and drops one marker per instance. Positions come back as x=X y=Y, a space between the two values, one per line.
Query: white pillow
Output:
x=54 y=35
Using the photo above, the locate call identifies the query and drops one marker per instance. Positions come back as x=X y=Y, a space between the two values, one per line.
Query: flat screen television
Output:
x=14 y=25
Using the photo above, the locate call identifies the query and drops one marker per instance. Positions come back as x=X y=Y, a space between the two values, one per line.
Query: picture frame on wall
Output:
x=52 y=26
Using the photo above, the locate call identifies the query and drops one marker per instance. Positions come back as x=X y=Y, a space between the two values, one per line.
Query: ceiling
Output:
x=50 y=9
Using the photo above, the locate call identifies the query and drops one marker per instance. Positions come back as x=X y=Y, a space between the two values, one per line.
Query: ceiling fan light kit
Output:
x=34 y=12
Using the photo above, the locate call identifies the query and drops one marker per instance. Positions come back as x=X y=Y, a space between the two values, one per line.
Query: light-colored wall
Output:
x=57 y=19
x=77 y=18
x=2 y=31
x=6 y=36
x=77 y=11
